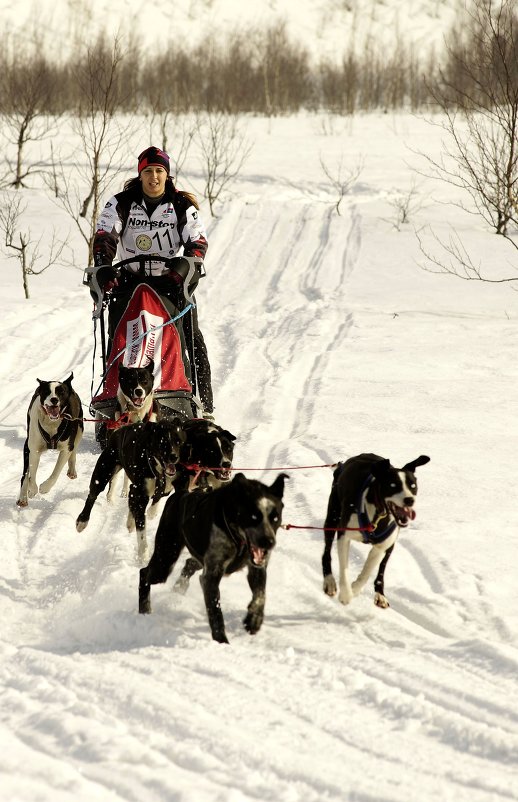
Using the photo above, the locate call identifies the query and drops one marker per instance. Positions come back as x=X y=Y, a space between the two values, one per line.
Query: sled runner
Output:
x=145 y=318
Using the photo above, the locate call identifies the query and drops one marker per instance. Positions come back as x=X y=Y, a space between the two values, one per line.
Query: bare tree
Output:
x=182 y=129
x=224 y=149
x=19 y=244
x=478 y=93
x=26 y=94
x=342 y=177
x=405 y=205
x=103 y=137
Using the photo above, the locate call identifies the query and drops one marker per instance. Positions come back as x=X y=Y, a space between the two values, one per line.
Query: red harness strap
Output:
x=367 y=528
x=125 y=419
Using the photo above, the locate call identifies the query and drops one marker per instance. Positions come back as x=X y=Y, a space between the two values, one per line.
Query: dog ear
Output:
x=120 y=367
x=380 y=467
x=151 y=366
x=239 y=477
x=68 y=381
x=411 y=466
x=226 y=433
x=277 y=488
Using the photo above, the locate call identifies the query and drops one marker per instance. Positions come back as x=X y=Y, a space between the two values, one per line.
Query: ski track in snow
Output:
x=326 y=699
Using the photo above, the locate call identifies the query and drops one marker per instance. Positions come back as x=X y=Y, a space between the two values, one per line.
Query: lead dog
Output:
x=148 y=452
x=369 y=501
x=54 y=421
x=224 y=530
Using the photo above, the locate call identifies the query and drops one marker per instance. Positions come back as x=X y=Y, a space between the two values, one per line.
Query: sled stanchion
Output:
x=194 y=369
x=103 y=342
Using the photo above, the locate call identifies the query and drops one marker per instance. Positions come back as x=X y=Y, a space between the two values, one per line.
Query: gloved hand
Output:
x=107 y=277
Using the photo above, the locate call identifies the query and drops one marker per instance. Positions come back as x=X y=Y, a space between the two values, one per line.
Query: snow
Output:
x=327 y=338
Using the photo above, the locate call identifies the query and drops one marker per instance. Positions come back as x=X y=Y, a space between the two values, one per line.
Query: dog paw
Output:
x=152 y=511
x=345 y=597
x=81 y=525
x=44 y=487
x=381 y=601
x=330 y=585
x=219 y=636
x=253 y=622
x=71 y=474
x=32 y=490
x=22 y=502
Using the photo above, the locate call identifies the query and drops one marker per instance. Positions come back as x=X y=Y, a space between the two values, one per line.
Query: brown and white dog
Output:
x=369 y=501
x=54 y=421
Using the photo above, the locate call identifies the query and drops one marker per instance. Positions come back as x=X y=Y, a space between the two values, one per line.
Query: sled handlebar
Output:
x=189 y=268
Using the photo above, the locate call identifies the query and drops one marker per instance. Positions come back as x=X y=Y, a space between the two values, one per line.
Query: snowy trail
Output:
x=327 y=703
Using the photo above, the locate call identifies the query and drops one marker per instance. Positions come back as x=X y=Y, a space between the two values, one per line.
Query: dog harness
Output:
x=61 y=434
x=373 y=532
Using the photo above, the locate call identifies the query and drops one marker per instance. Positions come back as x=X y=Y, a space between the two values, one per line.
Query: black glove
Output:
x=107 y=277
x=100 y=259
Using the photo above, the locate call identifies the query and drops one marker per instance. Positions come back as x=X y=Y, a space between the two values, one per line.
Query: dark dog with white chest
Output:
x=224 y=530
x=148 y=453
x=370 y=500
x=54 y=421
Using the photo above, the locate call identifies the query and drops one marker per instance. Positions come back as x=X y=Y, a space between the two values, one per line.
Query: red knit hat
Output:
x=153 y=156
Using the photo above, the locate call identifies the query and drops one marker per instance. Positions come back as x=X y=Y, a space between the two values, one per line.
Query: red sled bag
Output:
x=146 y=333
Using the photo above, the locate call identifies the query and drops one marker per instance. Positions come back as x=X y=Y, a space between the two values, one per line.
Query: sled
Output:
x=145 y=318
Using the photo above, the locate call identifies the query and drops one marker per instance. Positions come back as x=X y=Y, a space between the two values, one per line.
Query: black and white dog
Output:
x=205 y=457
x=224 y=530
x=369 y=501
x=135 y=404
x=149 y=453
x=135 y=400
x=54 y=421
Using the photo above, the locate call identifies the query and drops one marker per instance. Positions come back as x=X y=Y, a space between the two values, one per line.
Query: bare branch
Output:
x=455 y=260
x=19 y=245
x=224 y=151
x=341 y=177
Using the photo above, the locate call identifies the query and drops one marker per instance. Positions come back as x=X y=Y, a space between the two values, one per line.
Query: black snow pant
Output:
x=201 y=360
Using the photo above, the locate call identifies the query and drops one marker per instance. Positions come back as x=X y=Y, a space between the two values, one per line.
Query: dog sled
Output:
x=145 y=318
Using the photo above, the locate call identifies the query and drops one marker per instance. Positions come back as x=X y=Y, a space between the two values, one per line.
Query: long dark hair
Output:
x=135 y=184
